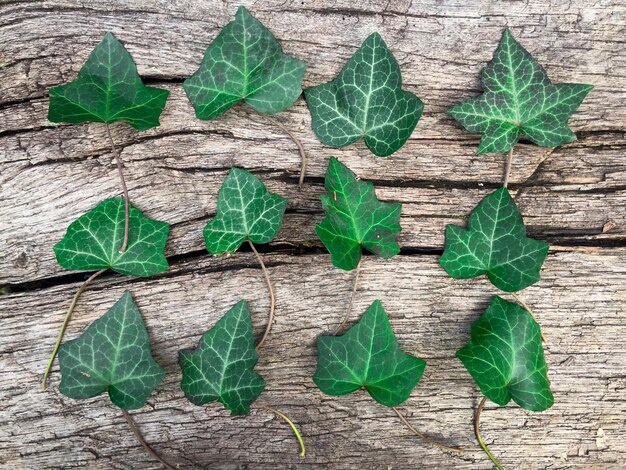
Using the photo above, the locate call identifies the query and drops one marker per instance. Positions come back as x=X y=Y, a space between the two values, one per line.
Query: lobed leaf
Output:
x=367 y=355
x=495 y=244
x=93 y=241
x=245 y=211
x=519 y=100
x=221 y=367
x=108 y=89
x=244 y=63
x=356 y=219
x=505 y=357
x=112 y=355
x=366 y=100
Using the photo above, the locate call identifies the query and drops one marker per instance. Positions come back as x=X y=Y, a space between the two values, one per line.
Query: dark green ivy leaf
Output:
x=245 y=211
x=495 y=244
x=108 y=89
x=505 y=357
x=355 y=218
x=93 y=241
x=112 y=354
x=221 y=367
x=366 y=100
x=367 y=355
x=244 y=63
x=519 y=100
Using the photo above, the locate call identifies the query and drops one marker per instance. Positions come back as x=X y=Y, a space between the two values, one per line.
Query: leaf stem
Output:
x=296 y=141
x=354 y=288
x=142 y=441
x=68 y=317
x=118 y=161
x=479 y=410
x=532 y=314
x=507 y=168
x=424 y=437
x=266 y=273
x=290 y=423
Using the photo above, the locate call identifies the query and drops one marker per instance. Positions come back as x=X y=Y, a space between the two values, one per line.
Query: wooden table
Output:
x=573 y=196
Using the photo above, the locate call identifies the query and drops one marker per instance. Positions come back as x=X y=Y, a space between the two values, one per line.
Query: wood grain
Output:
x=573 y=196
x=431 y=315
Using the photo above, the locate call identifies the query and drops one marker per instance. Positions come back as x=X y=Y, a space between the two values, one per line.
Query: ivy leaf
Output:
x=245 y=211
x=495 y=244
x=112 y=354
x=93 y=241
x=505 y=357
x=244 y=63
x=366 y=100
x=519 y=100
x=221 y=367
x=355 y=218
x=108 y=89
x=367 y=355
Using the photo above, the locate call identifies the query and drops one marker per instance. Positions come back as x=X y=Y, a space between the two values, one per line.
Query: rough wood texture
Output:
x=573 y=196
x=578 y=303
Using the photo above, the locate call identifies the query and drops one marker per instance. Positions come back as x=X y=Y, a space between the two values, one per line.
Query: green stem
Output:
x=68 y=317
x=118 y=161
x=142 y=440
x=354 y=287
x=479 y=410
x=424 y=437
x=266 y=273
x=507 y=168
x=290 y=423
x=296 y=141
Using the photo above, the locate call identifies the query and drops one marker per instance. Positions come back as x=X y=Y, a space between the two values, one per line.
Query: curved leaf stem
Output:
x=118 y=161
x=354 y=288
x=289 y=422
x=479 y=410
x=424 y=437
x=266 y=273
x=296 y=141
x=68 y=317
x=142 y=441
x=507 y=168
x=532 y=314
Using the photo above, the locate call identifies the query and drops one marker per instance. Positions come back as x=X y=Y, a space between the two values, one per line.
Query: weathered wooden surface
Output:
x=577 y=302
x=573 y=196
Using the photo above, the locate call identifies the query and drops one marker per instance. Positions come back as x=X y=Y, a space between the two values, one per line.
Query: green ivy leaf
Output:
x=366 y=100
x=245 y=211
x=93 y=241
x=355 y=218
x=112 y=354
x=244 y=63
x=108 y=89
x=495 y=244
x=505 y=357
x=367 y=355
x=221 y=367
x=519 y=100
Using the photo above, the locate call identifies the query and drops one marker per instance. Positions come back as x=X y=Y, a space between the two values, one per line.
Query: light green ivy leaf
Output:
x=505 y=357
x=366 y=100
x=356 y=219
x=93 y=241
x=221 y=367
x=112 y=354
x=245 y=211
x=367 y=356
x=244 y=63
x=494 y=243
x=519 y=100
x=108 y=89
